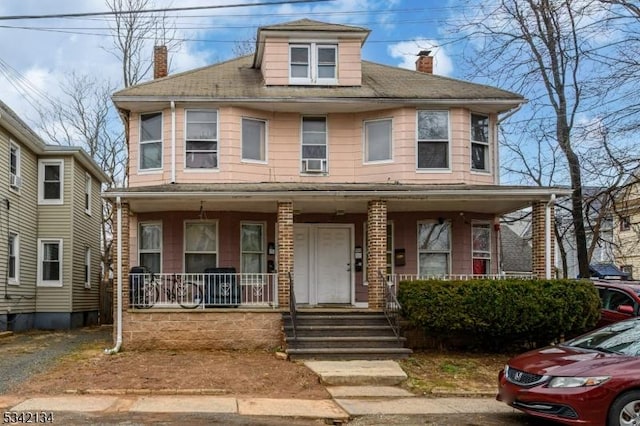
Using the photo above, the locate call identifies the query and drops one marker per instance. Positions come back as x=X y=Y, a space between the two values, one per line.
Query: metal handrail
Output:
x=292 y=305
x=392 y=307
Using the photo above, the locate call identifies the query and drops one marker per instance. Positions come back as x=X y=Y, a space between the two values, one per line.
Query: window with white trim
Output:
x=433 y=140
x=479 y=143
x=200 y=246
x=481 y=248
x=313 y=63
x=252 y=248
x=201 y=144
x=14 y=258
x=377 y=140
x=151 y=141
x=87 y=193
x=15 y=180
x=50 y=262
x=87 y=267
x=150 y=246
x=314 y=144
x=50 y=181
x=434 y=248
x=254 y=137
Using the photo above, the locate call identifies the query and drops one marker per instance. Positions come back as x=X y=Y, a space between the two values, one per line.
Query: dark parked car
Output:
x=620 y=300
x=590 y=380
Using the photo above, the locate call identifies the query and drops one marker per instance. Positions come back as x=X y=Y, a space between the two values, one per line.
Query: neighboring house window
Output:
x=314 y=144
x=200 y=242
x=434 y=248
x=87 y=194
x=50 y=182
x=252 y=246
x=87 y=267
x=479 y=142
x=202 y=139
x=14 y=258
x=625 y=223
x=311 y=63
x=628 y=269
x=254 y=140
x=150 y=246
x=50 y=262
x=377 y=141
x=481 y=247
x=151 y=141
x=433 y=140
x=14 y=166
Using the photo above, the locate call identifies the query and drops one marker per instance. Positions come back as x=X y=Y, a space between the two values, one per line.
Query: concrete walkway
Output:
x=358 y=388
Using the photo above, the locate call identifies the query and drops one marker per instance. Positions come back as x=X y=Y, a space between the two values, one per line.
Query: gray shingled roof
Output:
x=237 y=80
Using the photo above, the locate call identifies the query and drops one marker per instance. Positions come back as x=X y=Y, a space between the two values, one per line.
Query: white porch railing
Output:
x=394 y=279
x=201 y=291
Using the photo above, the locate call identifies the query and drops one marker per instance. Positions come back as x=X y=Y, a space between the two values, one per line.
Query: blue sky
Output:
x=35 y=58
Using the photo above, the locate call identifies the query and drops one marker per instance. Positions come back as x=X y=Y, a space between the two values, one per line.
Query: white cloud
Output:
x=406 y=53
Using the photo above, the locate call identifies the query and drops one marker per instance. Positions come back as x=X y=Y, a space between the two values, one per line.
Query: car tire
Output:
x=621 y=408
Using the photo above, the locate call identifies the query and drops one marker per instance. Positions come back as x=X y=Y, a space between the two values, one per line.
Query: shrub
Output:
x=498 y=314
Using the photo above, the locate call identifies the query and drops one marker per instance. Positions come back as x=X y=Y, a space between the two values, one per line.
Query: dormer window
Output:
x=311 y=63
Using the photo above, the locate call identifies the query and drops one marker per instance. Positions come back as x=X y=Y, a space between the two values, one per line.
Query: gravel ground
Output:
x=25 y=354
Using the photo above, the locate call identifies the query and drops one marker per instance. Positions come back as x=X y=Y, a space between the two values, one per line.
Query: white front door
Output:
x=322 y=263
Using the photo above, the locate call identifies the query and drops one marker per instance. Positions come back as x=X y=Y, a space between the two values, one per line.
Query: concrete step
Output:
x=345 y=342
x=358 y=373
x=368 y=392
x=344 y=354
x=333 y=319
x=340 y=330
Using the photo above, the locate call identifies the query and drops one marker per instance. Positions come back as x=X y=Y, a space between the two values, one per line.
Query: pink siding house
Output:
x=304 y=168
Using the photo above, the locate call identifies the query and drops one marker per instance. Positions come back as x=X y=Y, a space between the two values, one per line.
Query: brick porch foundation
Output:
x=229 y=330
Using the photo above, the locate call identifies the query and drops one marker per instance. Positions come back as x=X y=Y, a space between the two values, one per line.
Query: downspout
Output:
x=547 y=237
x=173 y=142
x=116 y=348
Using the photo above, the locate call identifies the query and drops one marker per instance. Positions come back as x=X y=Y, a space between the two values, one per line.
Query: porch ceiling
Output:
x=332 y=198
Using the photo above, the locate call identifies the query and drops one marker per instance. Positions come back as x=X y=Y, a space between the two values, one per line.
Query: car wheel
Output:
x=625 y=410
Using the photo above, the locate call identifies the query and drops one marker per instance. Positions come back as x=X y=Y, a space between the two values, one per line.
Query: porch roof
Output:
x=333 y=197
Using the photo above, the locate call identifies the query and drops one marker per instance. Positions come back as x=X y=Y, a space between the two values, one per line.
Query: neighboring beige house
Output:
x=626 y=228
x=306 y=161
x=50 y=219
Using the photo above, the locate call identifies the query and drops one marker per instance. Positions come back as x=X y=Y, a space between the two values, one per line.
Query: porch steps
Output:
x=342 y=336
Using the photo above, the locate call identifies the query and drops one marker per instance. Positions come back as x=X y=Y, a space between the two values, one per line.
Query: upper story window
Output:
x=434 y=248
x=15 y=179
x=311 y=63
x=50 y=181
x=314 y=144
x=150 y=246
x=481 y=247
x=87 y=193
x=377 y=141
x=433 y=140
x=479 y=142
x=625 y=223
x=202 y=139
x=254 y=140
x=151 y=141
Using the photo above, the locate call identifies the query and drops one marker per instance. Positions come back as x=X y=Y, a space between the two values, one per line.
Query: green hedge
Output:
x=498 y=314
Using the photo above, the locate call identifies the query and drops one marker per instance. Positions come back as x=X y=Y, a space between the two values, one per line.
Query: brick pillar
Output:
x=285 y=251
x=124 y=260
x=376 y=251
x=538 y=241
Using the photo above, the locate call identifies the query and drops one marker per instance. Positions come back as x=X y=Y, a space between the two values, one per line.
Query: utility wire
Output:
x=171 y=9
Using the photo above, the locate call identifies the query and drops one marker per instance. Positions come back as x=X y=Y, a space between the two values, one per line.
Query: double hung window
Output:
x=254 y=140
x=377 y=141
x=314 y=144
x=433 y=140
x=151 y=141
x=252 y=245
x=434 y=248
x=481 y=245
x=50 y=181
x=202 y=139
x=150 y=246
x=14 y=166
x=200 y=242
x=50 y=262
x=14 y=258
x=479 y=142
x=312 y=63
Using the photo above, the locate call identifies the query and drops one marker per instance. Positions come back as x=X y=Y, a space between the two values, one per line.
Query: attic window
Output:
x=311 y=63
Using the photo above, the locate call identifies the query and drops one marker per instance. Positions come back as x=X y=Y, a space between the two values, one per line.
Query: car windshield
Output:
x=621 y=338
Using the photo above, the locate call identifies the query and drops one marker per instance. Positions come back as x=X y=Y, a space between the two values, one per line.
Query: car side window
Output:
x=617 y=298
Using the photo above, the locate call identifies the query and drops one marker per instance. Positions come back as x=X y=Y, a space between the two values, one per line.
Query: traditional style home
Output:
x=304 y=175
x=51 y=224
x=626 y=228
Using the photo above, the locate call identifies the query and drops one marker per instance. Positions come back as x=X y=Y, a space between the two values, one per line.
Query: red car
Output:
x=620 y=300
x=591 y=380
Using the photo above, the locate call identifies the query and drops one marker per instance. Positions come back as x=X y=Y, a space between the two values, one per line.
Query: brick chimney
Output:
x=424 y=63
x=160 y=62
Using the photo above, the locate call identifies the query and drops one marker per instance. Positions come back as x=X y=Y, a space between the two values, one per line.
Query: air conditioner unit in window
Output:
x=16 y=181
x=313 y=166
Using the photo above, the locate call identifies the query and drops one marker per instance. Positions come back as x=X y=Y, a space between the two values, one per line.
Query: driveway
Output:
x=25 y=354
